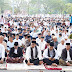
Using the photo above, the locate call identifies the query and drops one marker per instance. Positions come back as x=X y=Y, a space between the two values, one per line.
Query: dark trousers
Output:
x=5 y=54
x=35 y=61
x=10 y=60
x=70 y=24
x=49 y=62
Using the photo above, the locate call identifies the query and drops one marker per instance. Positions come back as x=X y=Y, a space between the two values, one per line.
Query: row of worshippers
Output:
x=34 y=56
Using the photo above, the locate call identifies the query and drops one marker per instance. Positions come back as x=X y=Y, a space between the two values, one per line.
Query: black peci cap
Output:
x=48 y=41
x=34 y=38
x=33 y=42
x=51 y=43
x=42 y=37
x=67 y=43
x=16 y=43
x=39 y=34
x=60 y=34
x=28 y=36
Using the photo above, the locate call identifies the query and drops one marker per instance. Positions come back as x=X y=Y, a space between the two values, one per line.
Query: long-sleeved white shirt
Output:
x=60 y=47
x=28 y=53
x=19 y=41
x=2 y=51
x=68 y=56
x=42 y=45
x=45 y=54
x=37 y=40
x=10 y=45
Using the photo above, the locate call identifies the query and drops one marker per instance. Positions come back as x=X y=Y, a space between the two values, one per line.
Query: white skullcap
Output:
x=54 y=37
x=62 y=39
x=65 y=37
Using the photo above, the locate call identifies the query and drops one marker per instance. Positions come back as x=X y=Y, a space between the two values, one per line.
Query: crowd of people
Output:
x=36 y=40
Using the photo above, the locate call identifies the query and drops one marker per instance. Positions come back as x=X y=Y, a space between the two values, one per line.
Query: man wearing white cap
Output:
x=66 y=40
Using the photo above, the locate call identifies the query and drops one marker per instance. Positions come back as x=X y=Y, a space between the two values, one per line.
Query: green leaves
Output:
x=38 y=6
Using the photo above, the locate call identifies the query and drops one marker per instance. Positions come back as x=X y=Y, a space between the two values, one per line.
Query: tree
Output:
x=4 y=5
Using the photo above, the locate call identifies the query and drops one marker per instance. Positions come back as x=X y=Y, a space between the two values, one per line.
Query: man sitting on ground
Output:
x=33 y=55
x=50 y=55
x=15 y=54
x=66 y=56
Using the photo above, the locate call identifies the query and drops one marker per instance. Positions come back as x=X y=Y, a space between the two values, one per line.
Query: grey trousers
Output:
x=63 y=63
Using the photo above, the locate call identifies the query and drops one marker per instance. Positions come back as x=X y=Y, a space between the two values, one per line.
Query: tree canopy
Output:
x=37 y=6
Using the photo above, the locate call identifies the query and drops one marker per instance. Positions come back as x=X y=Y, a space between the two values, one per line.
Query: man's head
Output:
x=67 y=46
x=17 y=36
x=65 y=38
x=39 y=35
x=28 y=31
x=48 y=42
x=29 y=38
x=33 y=39
x=16 y=29
x=62 y=41
x=10 y=38
x=1 y=39
x=33 y=44
x=24 y=30
x=55 y=38
x=1 y=16
x=16 y=45
x=25 y=36
x=49 y=33
x=51 y=45
x=53 y=35
x=42 y=38
x=60 y=35
x=13 y=36
x=0 y=30
x=60 y=30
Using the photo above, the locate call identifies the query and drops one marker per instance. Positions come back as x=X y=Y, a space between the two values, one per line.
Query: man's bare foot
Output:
x=54 y=64
x=68 y=64
x=1 y=62
x=30 y=64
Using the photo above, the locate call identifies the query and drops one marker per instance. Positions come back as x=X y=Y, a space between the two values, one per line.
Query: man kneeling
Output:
x=15 y=54
x=50 y=56
x=33 y=54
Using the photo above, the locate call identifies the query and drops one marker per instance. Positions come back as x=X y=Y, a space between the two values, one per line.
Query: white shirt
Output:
x=10 y=44
x=2 y=29
x=2 y=51
x=33 y=34
x=15 y=51
x=37 y=40
x=28 y=53
x=68 y=56
x=15 y=32
x=42 y=45
x=19 y=42
x=60 y=47
x=23 y=41
x=6 y=38
x=56 y=34
x=45 y=54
